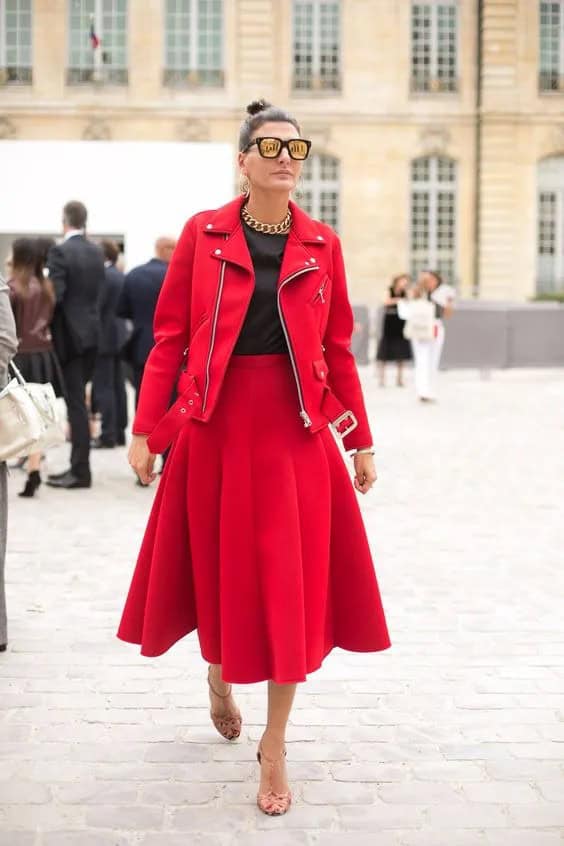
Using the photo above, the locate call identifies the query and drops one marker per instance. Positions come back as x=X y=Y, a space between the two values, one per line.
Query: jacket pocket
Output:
x=320 y=369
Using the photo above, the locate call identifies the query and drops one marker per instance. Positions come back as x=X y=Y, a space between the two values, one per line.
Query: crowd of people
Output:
x=413 y=329
x=80 y=321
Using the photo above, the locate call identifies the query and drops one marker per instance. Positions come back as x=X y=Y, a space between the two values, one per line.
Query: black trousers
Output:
x=109 y=397
x=77 y=372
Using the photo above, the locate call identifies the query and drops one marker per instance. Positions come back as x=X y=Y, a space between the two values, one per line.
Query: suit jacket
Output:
x=76 y=268
x=113 y=330
x=137 y=302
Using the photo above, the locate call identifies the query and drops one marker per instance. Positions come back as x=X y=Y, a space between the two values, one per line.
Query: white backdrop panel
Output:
x=138 y=189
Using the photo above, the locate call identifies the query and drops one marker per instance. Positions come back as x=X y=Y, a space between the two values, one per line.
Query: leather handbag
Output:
x=420 y=323
x=29 y=418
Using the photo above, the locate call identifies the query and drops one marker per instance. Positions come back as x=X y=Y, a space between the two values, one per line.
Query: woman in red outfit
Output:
x=255 y=538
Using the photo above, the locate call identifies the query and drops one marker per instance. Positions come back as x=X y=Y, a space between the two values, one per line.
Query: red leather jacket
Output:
x=201 y=309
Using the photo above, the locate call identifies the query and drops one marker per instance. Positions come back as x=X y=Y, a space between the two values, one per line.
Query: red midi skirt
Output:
x=256 y=540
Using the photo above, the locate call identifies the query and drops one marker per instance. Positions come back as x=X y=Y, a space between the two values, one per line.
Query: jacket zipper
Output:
x=320 y=292
x=212 y=341
x=303 y=413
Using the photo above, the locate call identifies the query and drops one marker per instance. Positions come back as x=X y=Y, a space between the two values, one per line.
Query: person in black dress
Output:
x=393 y=346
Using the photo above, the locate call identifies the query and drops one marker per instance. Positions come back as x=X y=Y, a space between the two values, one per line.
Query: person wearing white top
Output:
x=426 y=330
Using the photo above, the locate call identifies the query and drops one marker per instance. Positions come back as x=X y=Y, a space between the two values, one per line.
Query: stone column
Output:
x=50 y=51
x=146 y=49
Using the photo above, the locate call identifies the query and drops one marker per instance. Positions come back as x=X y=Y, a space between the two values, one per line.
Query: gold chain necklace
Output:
x=268 y=228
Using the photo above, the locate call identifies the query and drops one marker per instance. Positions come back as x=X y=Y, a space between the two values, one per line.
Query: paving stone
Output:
x=133 y=817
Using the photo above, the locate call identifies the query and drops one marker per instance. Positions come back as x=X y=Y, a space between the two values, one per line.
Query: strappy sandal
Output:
x=271 y=803
x=228 y=725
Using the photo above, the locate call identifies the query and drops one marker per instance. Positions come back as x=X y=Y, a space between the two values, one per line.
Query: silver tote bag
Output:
x=29 y=418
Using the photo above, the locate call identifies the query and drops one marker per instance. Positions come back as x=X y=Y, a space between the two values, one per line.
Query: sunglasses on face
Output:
x=270 y=148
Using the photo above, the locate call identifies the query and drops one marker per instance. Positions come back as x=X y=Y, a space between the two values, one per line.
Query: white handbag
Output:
x=29 y=418
x=419 y=319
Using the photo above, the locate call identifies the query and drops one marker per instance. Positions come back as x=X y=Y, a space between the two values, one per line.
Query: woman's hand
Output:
x=141 y=459
x=364 y=472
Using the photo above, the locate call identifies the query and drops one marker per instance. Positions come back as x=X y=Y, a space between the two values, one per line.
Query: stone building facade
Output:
x=438 y=126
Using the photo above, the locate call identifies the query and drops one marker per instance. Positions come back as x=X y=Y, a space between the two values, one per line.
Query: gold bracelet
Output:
x=365 y=451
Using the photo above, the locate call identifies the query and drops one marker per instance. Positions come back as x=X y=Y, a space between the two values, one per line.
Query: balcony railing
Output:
x=97 y=76
x=14 y=75
x=551 y=81
x=193 y=78
x=433 y=85
x=308 y=82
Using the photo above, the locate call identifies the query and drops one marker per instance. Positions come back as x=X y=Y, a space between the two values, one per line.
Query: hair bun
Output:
x=257 y=106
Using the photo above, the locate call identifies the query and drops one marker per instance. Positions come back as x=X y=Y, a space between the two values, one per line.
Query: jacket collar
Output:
x=227 y=219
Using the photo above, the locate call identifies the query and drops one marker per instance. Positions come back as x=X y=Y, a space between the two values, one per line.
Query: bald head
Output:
x=164 y=248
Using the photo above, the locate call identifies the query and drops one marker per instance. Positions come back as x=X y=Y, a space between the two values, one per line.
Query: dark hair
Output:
x=110 y=249
x=258 y=113
x=435 y=274
x=42 y=247
x=75 y=214
x=24 y=253
x=395 y=280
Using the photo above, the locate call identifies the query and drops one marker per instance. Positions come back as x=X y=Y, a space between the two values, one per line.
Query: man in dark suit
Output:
x=108 y=383
x=137 y=303
x=76 y=269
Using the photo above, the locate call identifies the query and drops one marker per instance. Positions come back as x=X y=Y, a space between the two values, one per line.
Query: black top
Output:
x=262 y=332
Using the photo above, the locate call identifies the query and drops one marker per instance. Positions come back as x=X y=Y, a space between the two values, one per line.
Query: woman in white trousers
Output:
x=427 y=354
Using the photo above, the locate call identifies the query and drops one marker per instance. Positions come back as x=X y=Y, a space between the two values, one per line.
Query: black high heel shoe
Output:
x=33 y=482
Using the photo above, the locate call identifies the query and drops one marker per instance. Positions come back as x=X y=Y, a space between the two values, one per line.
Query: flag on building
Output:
x=94 y=40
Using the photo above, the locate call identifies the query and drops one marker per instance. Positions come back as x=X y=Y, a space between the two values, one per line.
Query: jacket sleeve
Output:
x=123 y=307
x=342 y=372
x=171 y=328
x=8 y=338
x=57 y=266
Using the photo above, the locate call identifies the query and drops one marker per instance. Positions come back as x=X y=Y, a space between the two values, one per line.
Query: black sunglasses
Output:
x=270 y=148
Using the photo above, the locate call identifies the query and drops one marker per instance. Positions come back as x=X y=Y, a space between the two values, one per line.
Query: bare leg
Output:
x=33 y=462
x=222 y=705
x=381 y=374
x=400 y=375
x=280 y=700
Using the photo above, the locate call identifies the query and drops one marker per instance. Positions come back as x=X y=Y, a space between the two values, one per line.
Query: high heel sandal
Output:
x=228 y=726
x=271 y=803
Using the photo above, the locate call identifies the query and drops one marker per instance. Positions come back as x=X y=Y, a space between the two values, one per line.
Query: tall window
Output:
x=433 y=216
x=316 y=46
x=319 y=193
x=15 y=42
x=551 y=70
x=550 y=226
x=97 y=41
x=434 y=36
x=194 y=42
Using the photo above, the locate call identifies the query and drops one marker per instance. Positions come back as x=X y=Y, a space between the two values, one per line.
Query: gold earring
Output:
x=245 y=186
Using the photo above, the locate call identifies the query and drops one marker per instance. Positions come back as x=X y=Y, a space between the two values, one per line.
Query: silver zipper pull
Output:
x=321 y=294
x=305 y=417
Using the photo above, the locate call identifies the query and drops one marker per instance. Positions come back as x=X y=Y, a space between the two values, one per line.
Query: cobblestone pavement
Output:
x=453 y=737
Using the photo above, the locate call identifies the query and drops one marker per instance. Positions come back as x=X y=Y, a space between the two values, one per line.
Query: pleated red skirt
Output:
x=256 y=540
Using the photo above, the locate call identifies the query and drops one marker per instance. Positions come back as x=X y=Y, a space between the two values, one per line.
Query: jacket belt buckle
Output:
x=343 y=430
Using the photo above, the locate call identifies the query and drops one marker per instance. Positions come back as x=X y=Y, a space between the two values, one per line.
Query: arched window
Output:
x=433 y=216
x=319 y=192
x=550 y=226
